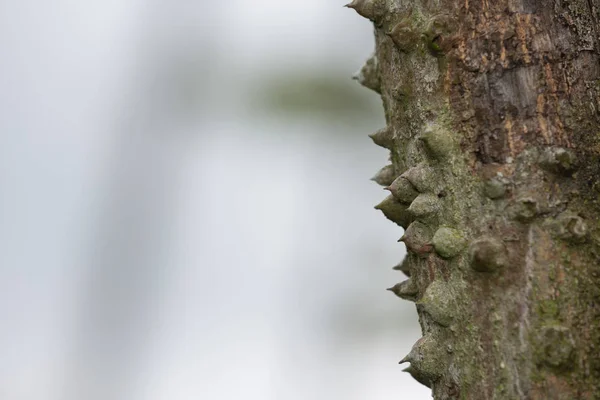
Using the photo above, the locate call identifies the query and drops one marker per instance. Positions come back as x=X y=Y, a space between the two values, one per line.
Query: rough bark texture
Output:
x=493 y=127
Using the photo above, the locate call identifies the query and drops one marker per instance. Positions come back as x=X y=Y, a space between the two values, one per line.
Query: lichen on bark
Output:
x=493 y=127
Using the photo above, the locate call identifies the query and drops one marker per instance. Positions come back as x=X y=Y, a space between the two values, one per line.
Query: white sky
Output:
x=254 y=246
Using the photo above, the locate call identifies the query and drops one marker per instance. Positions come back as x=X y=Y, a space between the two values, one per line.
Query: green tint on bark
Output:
x=493 y=127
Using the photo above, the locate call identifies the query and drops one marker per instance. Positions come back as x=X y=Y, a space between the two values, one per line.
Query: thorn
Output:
x=424 y=205
x=428 y=360
x=368 y=75
x=421 y=177
x=373 y=10
x=417 y=238
x=395 y=211
x=438 y=143
x=488 y=254
x=418 y=377
x=448 y=242
x=404 y=266
x=383 y=138
x=385 y=176
x=406 y=290
x=404 y=35
x=403 y=190
x=438 y=302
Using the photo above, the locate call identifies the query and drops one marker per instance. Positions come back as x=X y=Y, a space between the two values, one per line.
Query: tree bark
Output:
x=493 y=127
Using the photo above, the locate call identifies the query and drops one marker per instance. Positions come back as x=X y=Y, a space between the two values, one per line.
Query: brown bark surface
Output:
x=493 y=127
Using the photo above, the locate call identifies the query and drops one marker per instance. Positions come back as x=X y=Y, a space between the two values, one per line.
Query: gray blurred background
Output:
x=185 y=208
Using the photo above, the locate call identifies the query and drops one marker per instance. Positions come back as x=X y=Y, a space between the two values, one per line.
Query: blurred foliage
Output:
x=318 y=95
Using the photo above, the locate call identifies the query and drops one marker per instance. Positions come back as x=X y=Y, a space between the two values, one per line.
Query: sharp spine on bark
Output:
x=420 y=176
x=438 y=143
x=404 y=35
x=373 y=10
x=419 y=378
x=438 y=302
x=417 y=238
x=384 y=137
x=488 y=254
x=428 y=359
x=424 y=205
x=395 y=211
x=404 y=266
x=558 y=160
x=368 y=75
x=448 y=242
x=403 y=190
x=406 y=290
x=385 y=176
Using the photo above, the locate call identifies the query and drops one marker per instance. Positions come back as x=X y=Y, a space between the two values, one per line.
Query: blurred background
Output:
x=185 y=208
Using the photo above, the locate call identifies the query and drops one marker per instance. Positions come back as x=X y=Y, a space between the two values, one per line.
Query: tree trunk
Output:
x=493 y=126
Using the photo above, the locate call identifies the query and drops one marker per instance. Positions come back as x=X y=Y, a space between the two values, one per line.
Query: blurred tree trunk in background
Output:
x=492 y=111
